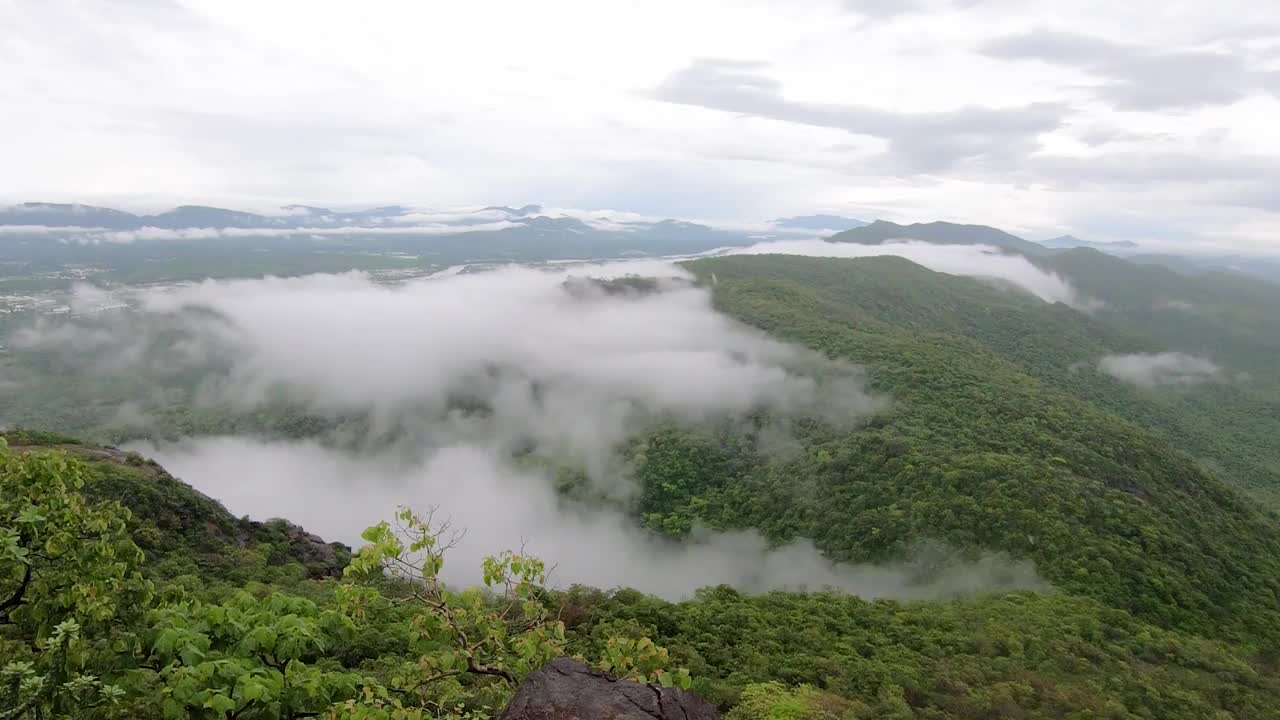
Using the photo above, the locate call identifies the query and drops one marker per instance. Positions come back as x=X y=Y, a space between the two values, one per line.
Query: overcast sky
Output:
x=1146 y=120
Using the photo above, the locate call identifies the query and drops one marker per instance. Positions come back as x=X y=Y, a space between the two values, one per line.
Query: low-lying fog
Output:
x=568 y=374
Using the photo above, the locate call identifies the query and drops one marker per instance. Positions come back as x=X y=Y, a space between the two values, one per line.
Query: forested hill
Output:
x=1229 y=315
x=184 y=532
x=1232 y=423
x=986 y=445
x=939 y=233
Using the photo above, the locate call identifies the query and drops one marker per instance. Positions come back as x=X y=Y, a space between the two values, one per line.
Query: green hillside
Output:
x=1232 y=426
x=184 y=532
x=1227 y=315
x=978 y=451
x=1012 y=656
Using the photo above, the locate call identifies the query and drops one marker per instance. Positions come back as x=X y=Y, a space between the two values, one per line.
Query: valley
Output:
x=935 y=494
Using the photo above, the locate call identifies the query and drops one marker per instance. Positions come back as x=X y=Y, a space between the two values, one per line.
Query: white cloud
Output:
x=571 y=371
x=567 y=371
x=1160 y=369
x=46 y=230
x=155 y=233
x=449 y=217
x=337 y=495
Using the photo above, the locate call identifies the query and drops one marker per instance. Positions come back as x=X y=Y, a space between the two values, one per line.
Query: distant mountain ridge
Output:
x=940 y=233
x=819 y=222
x=517 y=233
x=518 y=212
x=303 y=216
x=75 y=215
x=1066 y=242
x=188 y=216
x=1257 y=267
x=194 y=242
x=67 y=215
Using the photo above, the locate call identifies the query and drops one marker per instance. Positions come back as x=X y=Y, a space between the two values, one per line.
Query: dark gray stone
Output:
x=569 y=690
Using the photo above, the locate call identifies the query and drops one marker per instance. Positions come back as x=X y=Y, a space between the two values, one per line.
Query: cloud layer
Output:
x=918 y=142
x=571 y=369
x=338 y=495
x=94 y=235
x=1138 y=78
x=458 y=377
x=1160 y=369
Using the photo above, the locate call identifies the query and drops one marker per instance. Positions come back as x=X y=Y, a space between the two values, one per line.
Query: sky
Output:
x=1141 y=120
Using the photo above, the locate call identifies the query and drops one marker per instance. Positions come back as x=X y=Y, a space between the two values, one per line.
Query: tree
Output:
x=469 y=648
x=69 y=585
x=250 y=658
x=54 y=683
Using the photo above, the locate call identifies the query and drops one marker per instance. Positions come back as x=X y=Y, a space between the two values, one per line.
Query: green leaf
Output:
x=220 y=703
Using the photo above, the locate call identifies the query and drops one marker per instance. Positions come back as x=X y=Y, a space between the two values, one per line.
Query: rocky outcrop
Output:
x=569 y=690
x=171 y=515
x=322 y=559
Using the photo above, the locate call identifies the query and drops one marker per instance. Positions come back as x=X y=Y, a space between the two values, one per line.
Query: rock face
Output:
x=322 y=559
x=569 y=690
x=184 y=517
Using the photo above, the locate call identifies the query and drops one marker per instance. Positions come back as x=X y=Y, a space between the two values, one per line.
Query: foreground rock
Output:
x=569 y=690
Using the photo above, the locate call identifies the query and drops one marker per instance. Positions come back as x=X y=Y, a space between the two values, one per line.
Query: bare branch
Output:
x=17 y=598
x=485 y=670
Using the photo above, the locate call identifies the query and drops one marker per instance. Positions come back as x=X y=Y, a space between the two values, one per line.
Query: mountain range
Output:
x=99 y=236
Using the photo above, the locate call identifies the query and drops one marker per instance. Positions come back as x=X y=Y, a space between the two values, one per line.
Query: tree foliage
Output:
x=70 y=588
x=84 y=636
x=501 y=631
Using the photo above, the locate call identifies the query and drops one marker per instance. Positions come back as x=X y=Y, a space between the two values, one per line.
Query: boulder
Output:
x=569 y=690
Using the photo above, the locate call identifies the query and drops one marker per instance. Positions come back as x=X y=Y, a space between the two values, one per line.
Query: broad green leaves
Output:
x=84 y=636
x=250 y=657
x=53 y=680
x=60 y=556
x=469 y=648
x=642 y=660
x=69 y=587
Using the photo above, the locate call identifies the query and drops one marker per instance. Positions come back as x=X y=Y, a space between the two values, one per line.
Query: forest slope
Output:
x=1233 y=423
x=977 y=451
x=185 y=532
x=1020 y=655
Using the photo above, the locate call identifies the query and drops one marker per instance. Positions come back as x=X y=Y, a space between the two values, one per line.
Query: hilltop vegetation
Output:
x=287 y=646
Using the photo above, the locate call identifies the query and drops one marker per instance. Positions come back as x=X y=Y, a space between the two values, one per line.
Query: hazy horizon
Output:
x=1097 y=123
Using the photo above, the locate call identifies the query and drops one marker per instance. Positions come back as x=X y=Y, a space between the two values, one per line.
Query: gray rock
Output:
x=569 y=690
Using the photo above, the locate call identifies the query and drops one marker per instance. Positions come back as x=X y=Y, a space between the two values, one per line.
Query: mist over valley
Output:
x=821 y=360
